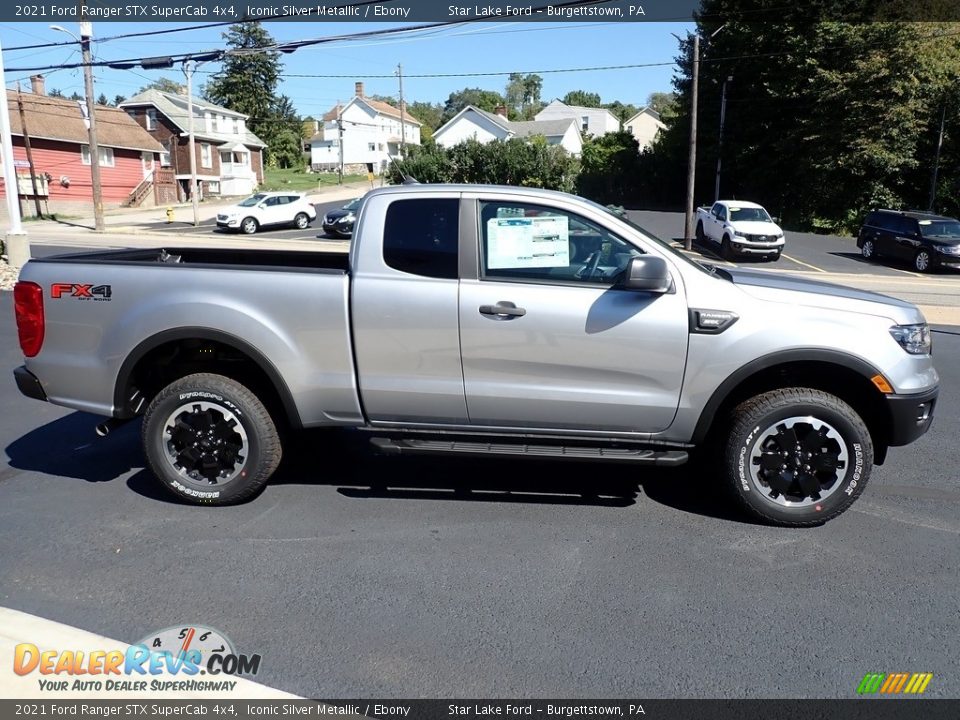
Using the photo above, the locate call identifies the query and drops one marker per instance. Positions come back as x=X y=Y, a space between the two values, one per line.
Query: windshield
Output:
x=702 y=267
x=749 y=214
x=252 y=200
x=353 y=204
x=934 y=228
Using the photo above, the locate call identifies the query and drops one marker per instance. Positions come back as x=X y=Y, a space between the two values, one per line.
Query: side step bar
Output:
x=473 y=448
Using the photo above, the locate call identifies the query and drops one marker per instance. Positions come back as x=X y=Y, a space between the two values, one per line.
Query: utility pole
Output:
x=723 y=113
x=403 y=128
x=936 y=160
x=188 y=69
x=15 y=240
x=692 y=159
x=86 y=32
x=339 y=143
x=26 y=145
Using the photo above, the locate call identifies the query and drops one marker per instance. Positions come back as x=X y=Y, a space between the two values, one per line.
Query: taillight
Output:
x=28 y=304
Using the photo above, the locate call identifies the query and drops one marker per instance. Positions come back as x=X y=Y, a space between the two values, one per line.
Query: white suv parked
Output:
x=268 y=208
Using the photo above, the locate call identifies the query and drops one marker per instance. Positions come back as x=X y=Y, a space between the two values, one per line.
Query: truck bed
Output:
x=232 y=258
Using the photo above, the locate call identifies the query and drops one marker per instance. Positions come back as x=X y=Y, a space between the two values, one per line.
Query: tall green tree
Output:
x=165 y=84
x=522 y=94
x=664 y=104
x=582 y=98
x=484 y=99
x=824 y=119
x=247 y=83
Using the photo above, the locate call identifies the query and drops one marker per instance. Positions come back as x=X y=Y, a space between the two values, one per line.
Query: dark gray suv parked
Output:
x=924 y=240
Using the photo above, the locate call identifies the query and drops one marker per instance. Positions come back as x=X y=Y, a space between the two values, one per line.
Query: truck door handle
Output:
x=502 y=310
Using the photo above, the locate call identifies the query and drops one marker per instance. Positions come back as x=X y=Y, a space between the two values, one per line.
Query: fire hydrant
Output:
x=169 y=215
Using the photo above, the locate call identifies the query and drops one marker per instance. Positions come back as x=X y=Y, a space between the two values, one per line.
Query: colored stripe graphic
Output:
x=894 y=683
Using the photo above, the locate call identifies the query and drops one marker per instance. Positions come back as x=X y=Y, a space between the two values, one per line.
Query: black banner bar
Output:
x=856 y=709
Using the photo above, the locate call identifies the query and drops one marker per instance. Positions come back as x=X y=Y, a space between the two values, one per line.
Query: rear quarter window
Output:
x=421 y=237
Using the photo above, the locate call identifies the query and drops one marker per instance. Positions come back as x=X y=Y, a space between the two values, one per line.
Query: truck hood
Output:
x=756 y=227
x=813 y=293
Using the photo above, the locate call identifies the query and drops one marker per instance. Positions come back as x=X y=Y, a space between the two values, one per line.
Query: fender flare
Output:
x=202 y=333
x=782 y=357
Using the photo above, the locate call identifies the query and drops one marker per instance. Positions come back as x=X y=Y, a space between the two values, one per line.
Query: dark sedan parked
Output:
x=339 y=223
x=925 y=240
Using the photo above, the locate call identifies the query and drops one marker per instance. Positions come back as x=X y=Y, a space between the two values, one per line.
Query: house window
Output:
x=151 y=119
x=236 y=126
x=208 y=121
x=584 y=123
x=106 y=155
x=206 y=157
x=380 y=146
x=372 y=147
x=165 y=159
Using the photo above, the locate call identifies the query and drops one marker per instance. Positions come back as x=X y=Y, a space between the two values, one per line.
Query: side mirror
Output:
x=647 y=273
x=775 y=219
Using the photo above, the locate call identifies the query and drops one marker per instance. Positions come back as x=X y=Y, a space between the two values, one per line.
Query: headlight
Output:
x=915 y=339
x=346 y=219
x=948 y=249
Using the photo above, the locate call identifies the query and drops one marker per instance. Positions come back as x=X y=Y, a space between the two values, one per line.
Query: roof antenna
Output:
x=410 y=180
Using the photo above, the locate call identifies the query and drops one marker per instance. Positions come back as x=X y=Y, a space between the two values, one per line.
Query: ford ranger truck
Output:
x=741 y=229
x=474 y=320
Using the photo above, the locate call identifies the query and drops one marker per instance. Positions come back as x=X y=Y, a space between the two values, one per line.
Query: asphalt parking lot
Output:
x=355 y=575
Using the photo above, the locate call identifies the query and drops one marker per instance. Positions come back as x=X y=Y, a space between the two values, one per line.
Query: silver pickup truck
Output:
x=480 y=320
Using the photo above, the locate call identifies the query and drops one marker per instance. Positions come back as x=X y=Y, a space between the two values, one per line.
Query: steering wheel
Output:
x=589 y=269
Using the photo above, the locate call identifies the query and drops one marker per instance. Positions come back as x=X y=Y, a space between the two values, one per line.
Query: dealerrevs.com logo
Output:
x=173 y=659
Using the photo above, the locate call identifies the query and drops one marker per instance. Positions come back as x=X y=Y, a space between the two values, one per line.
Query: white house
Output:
x=367 y=131
x=590 y=120
x=645 y=126
x=483 y=126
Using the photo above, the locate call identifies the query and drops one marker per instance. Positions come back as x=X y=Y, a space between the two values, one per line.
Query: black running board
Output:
x=473 y=448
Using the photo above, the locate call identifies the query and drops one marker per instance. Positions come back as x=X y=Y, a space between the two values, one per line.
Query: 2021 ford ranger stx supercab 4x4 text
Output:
x=482 y=320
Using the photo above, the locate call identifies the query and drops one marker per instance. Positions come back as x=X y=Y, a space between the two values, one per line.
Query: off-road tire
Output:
x=262 y=448
x=752 y=419
x=726 y=251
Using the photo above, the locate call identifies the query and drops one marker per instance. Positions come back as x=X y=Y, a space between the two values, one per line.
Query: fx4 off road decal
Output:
x=81 y=291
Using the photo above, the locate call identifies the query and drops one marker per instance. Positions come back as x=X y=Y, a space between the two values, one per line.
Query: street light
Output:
x=86 y=32
x=723 y=113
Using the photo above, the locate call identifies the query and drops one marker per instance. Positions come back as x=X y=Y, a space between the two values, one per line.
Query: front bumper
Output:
x=28 y=384
x=910 y=415
x=228 y=223
x=745 y=247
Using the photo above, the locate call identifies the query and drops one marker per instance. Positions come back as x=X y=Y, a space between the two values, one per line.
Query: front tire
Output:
x=726 y=250
x=209 y=440
x=301 y=221
x=797 y=457
x=923 y=261
x=249 y=226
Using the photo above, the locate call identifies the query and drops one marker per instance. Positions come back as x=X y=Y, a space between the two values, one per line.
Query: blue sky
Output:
x=477 y=47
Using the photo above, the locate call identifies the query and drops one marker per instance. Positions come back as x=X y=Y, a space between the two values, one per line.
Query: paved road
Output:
x=362 y=576
x=209 y=227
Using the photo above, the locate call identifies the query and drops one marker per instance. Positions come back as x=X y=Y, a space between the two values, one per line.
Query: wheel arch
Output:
x=845 y=376
x=168 y=355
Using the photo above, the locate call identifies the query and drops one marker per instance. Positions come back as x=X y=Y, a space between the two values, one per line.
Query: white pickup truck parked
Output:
x=740 y=228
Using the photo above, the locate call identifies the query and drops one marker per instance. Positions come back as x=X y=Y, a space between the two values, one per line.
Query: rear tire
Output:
x=797 y=457
x=301 y=221
x=868 y=250
x=209 y=440
x=701 y=236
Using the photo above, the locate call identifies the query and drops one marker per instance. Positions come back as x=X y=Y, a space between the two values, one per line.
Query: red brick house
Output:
x=229 y=158
x=59 y=137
